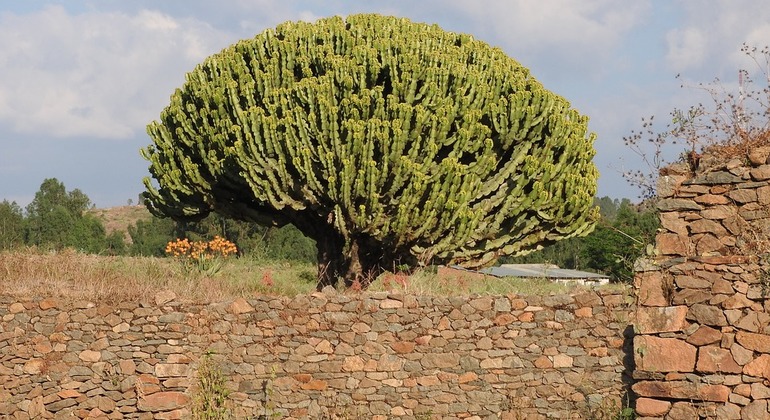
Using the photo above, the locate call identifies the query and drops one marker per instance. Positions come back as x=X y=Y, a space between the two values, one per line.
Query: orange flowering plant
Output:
x=204 y=256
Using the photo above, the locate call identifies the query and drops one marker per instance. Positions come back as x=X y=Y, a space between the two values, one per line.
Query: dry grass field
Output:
x=34 y=273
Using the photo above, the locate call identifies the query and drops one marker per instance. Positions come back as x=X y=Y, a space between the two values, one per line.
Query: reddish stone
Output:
x=391 y=304
x=722 y=286
x=716 y=359
x=682 y=411
x=671 y=244
x=650 y=289
x=482 y=304
x=652 y=408
x=504 y=319
x=661 y=319
x=682 y=390
x=389 y=363
x=737 y=301
x=429 y=380
x=585 y=312
x=752 y=341
x=423 y=340
x=719 y=212
x=68 y=393
x=743 y=389
x=672 y=222
x=760 y=173
x=707 y=244
x=240 y=306
x=707 y=315
x=759 y=155
x=353 y=364
x=712 y=199
x=403 y=347
x=467 y=377
x=707 y=226
x=518 y=304
x=759 y=367
x=164 y=296
x=165 y=370
x=163 y=401
x=314 y=385
x=543 y=362
x=655 y=354
x=174 y=415
x=756 y=410
x=48 y=303
x=303 y=377
x=763 y=195
x=527 y=317
x=90 y=356
x=743 y=195
x=704 y=335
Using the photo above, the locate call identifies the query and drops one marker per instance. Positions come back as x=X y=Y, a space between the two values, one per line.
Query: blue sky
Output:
x=81 y=79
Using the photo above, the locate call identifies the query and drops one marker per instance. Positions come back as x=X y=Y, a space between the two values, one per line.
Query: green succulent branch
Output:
x=386 y=141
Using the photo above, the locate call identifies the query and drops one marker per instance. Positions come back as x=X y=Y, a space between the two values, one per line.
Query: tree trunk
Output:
x=358 y=266
x=330 y=260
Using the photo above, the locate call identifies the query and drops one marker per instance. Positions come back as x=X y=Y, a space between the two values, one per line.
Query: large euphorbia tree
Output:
x=390 y=143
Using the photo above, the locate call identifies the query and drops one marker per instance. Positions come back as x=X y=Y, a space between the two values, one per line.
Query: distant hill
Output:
x=121 y=217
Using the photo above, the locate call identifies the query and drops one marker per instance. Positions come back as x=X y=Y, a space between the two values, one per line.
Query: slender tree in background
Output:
x=11 y=225
x=388 y=142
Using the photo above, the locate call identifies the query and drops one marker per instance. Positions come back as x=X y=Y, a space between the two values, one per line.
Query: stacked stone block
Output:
x=702 y=345
x=370 y=355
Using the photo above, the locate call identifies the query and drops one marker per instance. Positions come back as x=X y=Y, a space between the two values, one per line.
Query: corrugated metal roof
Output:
x=540 y=271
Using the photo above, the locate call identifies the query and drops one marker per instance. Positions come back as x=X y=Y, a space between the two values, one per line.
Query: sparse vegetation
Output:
x=36 y=272
x=732 y=124
x=211 y=396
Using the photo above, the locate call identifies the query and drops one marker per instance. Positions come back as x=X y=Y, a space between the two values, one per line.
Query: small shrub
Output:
x=206 y=257
x=210 y=399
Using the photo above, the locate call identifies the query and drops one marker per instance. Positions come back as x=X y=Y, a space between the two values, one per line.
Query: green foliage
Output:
x=385 y=141
x=55 y=218
x=149 y=237
x=11 y=225
x=619 y=239
x=115 y=244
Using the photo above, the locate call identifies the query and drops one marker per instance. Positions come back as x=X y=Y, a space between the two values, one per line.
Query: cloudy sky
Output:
x=80 y=79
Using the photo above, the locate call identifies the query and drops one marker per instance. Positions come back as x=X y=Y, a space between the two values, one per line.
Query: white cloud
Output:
x=580 y=33
x=686 y=48
x=96 y=74
x=710 y=35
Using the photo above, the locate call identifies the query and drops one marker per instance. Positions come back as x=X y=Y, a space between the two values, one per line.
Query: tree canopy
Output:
x=387 y=142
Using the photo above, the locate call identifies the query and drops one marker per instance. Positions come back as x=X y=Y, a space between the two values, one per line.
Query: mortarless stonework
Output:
x=370 y=355
x=702 y=318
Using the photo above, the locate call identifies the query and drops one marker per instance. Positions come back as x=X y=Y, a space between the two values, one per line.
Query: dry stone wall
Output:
x=703 y=344
x=371 y=355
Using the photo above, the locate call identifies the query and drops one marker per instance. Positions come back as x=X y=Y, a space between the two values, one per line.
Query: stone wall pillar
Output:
x=702 y=348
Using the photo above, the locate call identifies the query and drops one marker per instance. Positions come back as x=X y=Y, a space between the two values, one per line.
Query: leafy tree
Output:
x=387 y=142
x=614 y=246
x=11 y=225
x=56 y=218
x=149 y=237
x=115 y=244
